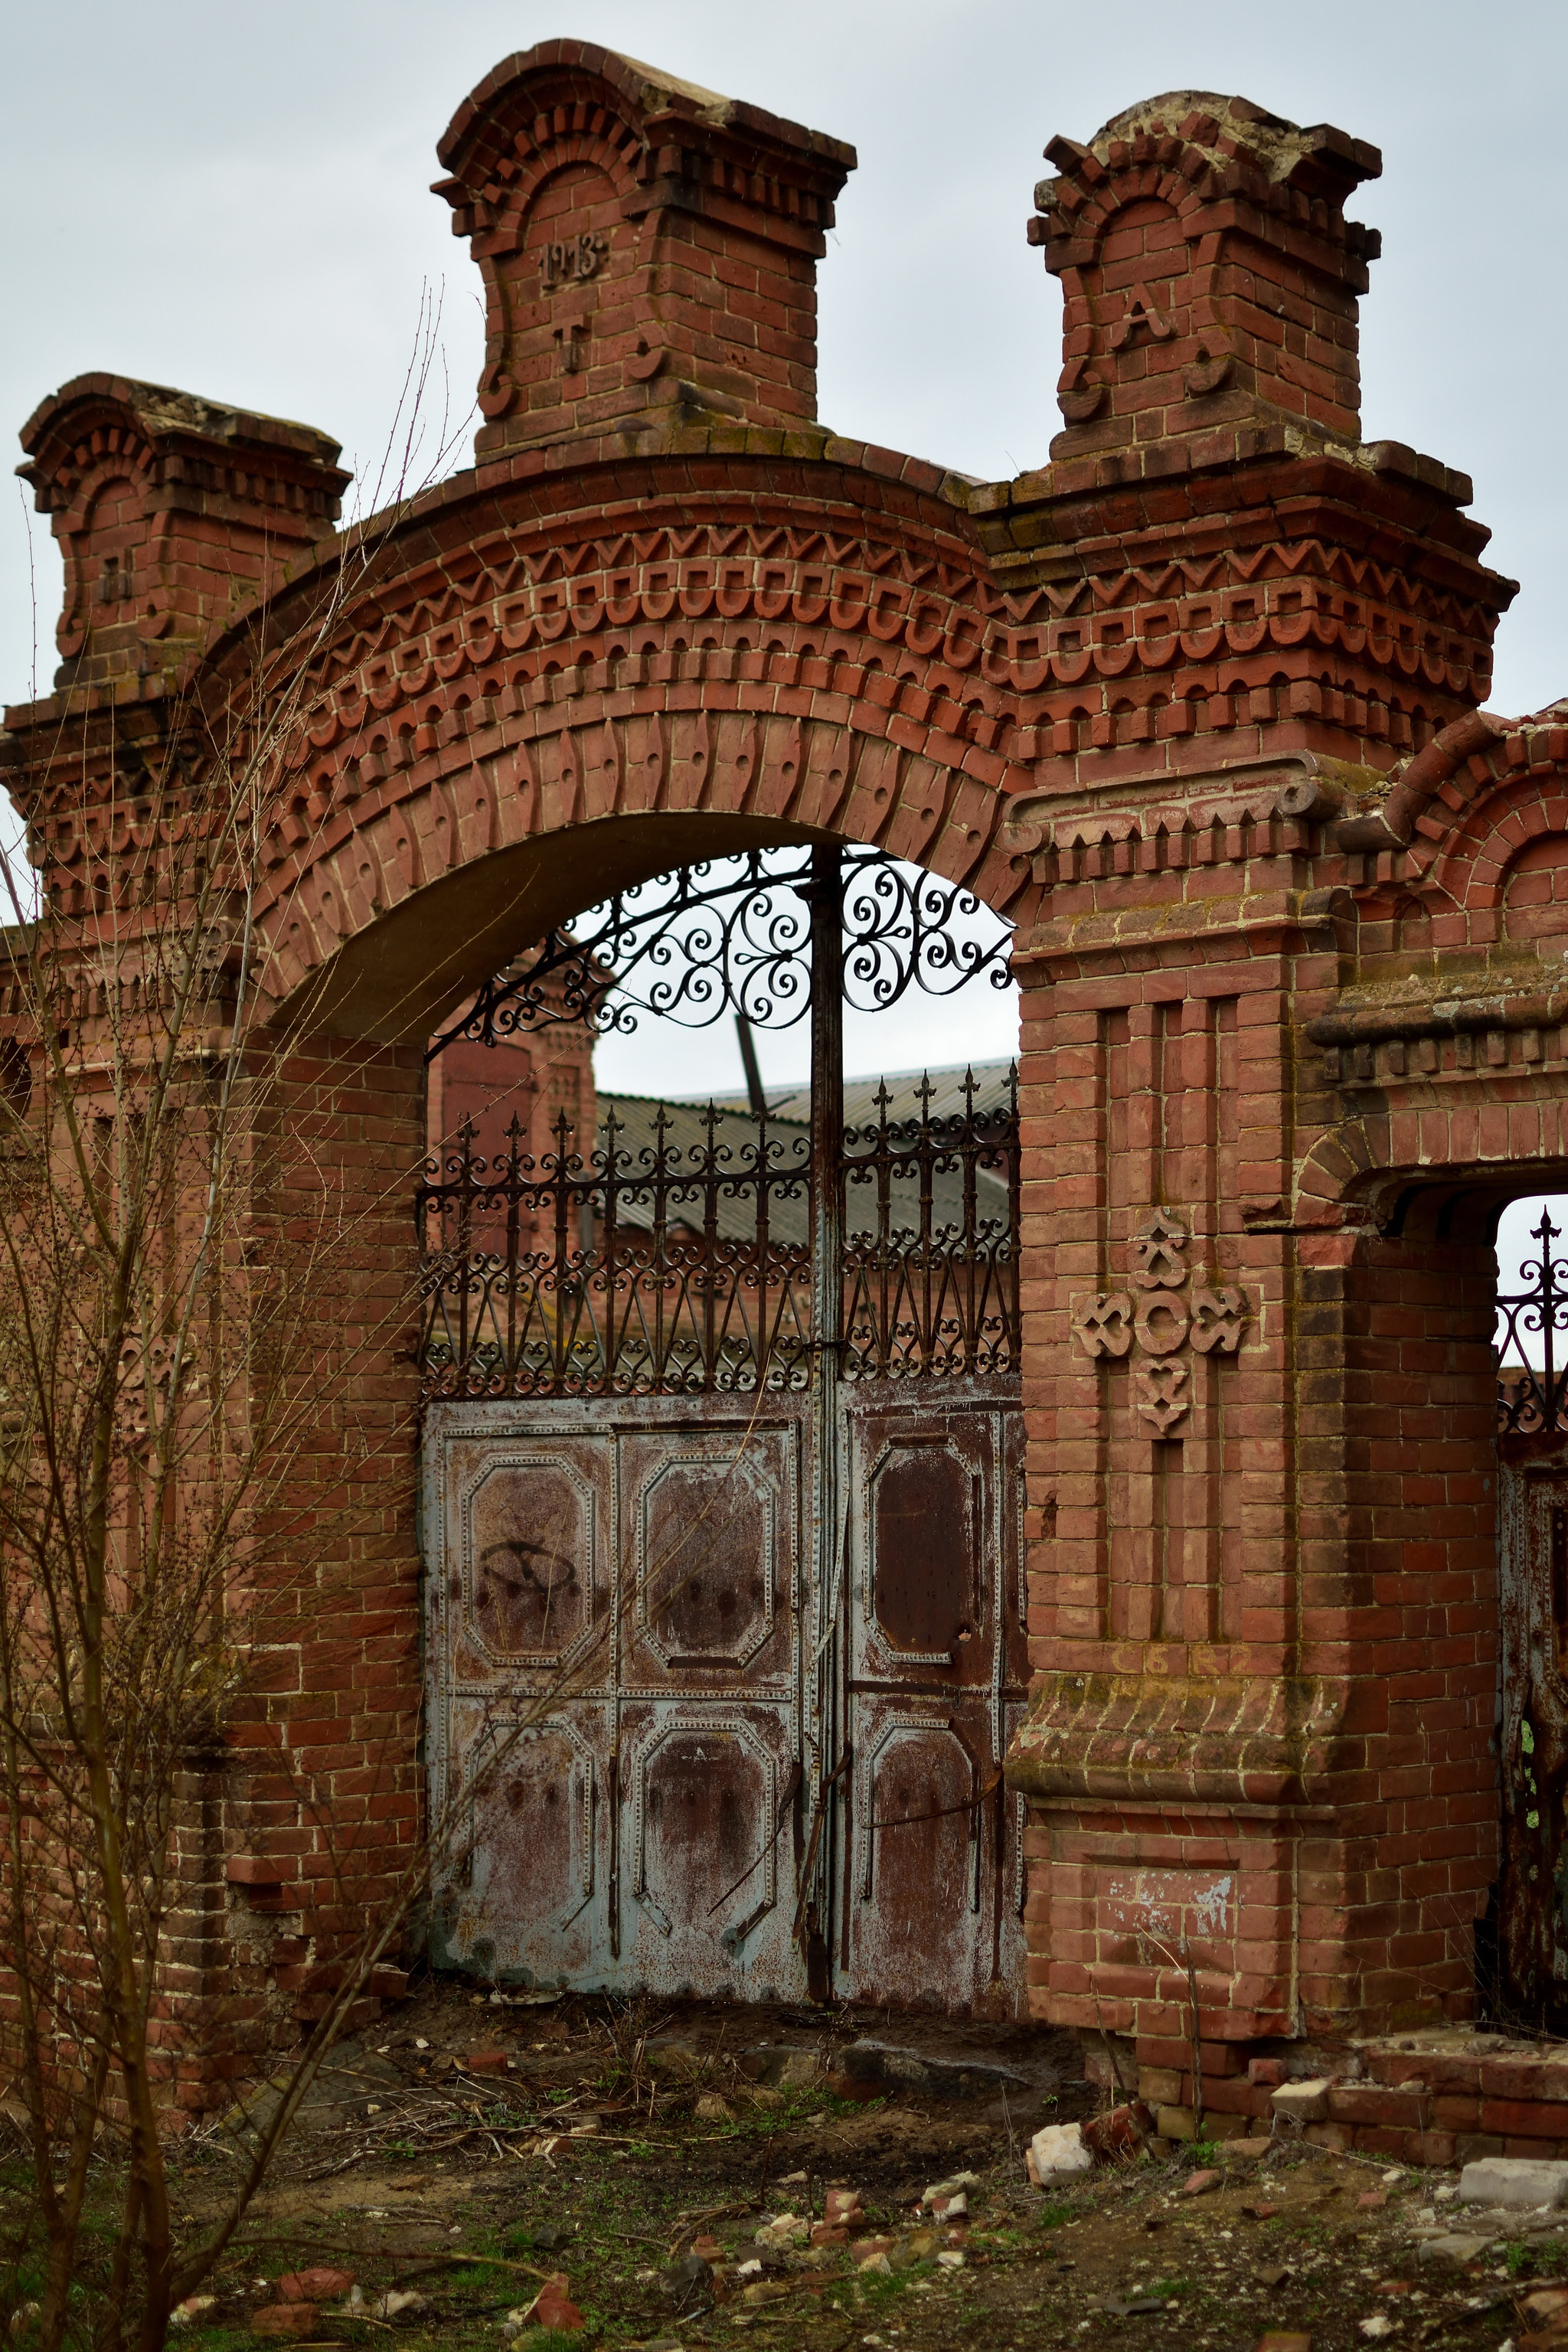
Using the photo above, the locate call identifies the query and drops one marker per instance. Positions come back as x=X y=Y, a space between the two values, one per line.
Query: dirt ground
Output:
x=466 y=2148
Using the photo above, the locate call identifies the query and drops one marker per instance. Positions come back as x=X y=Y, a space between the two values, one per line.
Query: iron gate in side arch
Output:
x=723 y=1480
x=1530 y=1991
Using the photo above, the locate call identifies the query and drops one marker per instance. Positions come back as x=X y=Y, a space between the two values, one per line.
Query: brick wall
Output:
x=322 y=1801
x=1398 y=1500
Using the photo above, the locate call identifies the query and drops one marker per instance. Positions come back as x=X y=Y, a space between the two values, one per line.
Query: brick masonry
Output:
x=1196 y=704
x=1442 y=2099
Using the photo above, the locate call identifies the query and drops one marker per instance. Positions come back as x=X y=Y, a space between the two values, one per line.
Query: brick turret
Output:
x=649 y=247
x=1209 y=272
x=172 y=513
x=1215 y=566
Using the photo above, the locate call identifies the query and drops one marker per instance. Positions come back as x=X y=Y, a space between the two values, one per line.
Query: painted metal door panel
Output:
x=937 y=1679
x=621 y=1658
x=711 y=1884
x=613 y=1678
x=534 y=1881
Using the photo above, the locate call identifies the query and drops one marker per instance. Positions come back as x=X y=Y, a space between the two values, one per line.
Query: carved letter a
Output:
x=1141 y=310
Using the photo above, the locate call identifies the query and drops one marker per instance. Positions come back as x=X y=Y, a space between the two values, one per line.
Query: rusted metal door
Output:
x=932 y=1911
x=722 y=1475
x=1533 y=1900
x=1532 y=1577
x=614 y=1690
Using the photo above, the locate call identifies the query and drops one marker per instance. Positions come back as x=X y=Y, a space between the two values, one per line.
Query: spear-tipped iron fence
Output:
x=684 y=1268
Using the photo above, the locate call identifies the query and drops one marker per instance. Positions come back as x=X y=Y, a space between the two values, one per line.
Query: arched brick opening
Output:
x=349 y=1090
x=962 y=1542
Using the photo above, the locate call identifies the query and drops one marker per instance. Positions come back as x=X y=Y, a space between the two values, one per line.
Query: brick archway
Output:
x=1194 y=703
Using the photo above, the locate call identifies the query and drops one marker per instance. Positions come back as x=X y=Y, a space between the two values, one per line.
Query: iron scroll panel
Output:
x=733 y=935
x=1532 y=1400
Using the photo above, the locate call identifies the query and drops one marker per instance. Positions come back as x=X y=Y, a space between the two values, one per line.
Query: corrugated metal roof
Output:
x=686 y=1133
x=991 y=1093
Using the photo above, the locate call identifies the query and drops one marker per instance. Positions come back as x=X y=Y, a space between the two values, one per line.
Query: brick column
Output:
x=1166 y=1749
x=1262 y=1576
x=323 y=1791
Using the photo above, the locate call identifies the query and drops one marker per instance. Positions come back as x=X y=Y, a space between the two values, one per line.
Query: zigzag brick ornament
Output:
x=1194 y=705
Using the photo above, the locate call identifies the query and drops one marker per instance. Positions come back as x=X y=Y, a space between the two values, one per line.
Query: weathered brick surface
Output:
x=172 y=513
x=1195 y=704
x=646 y=249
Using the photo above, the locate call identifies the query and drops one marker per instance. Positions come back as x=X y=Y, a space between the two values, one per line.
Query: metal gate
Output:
x=1532 y=1569
x=722 y=1485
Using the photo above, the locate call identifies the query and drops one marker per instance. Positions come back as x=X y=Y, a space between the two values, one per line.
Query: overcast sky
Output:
x=234 y=200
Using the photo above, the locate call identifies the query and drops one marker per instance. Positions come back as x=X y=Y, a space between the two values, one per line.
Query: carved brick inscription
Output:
x=572 y=260
x=1162 y=1323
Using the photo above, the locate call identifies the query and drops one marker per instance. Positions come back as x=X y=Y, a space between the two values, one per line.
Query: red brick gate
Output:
x=1195 y=704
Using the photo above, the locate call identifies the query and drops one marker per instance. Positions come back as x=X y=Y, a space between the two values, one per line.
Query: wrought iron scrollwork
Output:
x=1532 y=1400
x=898 y=933
x=733 y=935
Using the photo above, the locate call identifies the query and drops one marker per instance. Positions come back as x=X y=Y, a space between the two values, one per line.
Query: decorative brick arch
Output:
x=850 y=676
x=678 y=780
x=1196 y=702
x=1483 y=849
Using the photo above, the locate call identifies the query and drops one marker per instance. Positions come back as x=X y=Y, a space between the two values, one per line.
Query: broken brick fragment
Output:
x=1122 y=2132
x=322 y=2285
x=487 y=2061
x=554 y=2307
x=297 y=2319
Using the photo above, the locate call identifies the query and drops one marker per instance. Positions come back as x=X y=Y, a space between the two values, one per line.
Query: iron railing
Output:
x=937 y=1296
x=608 y=1275
x=684 y=1268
